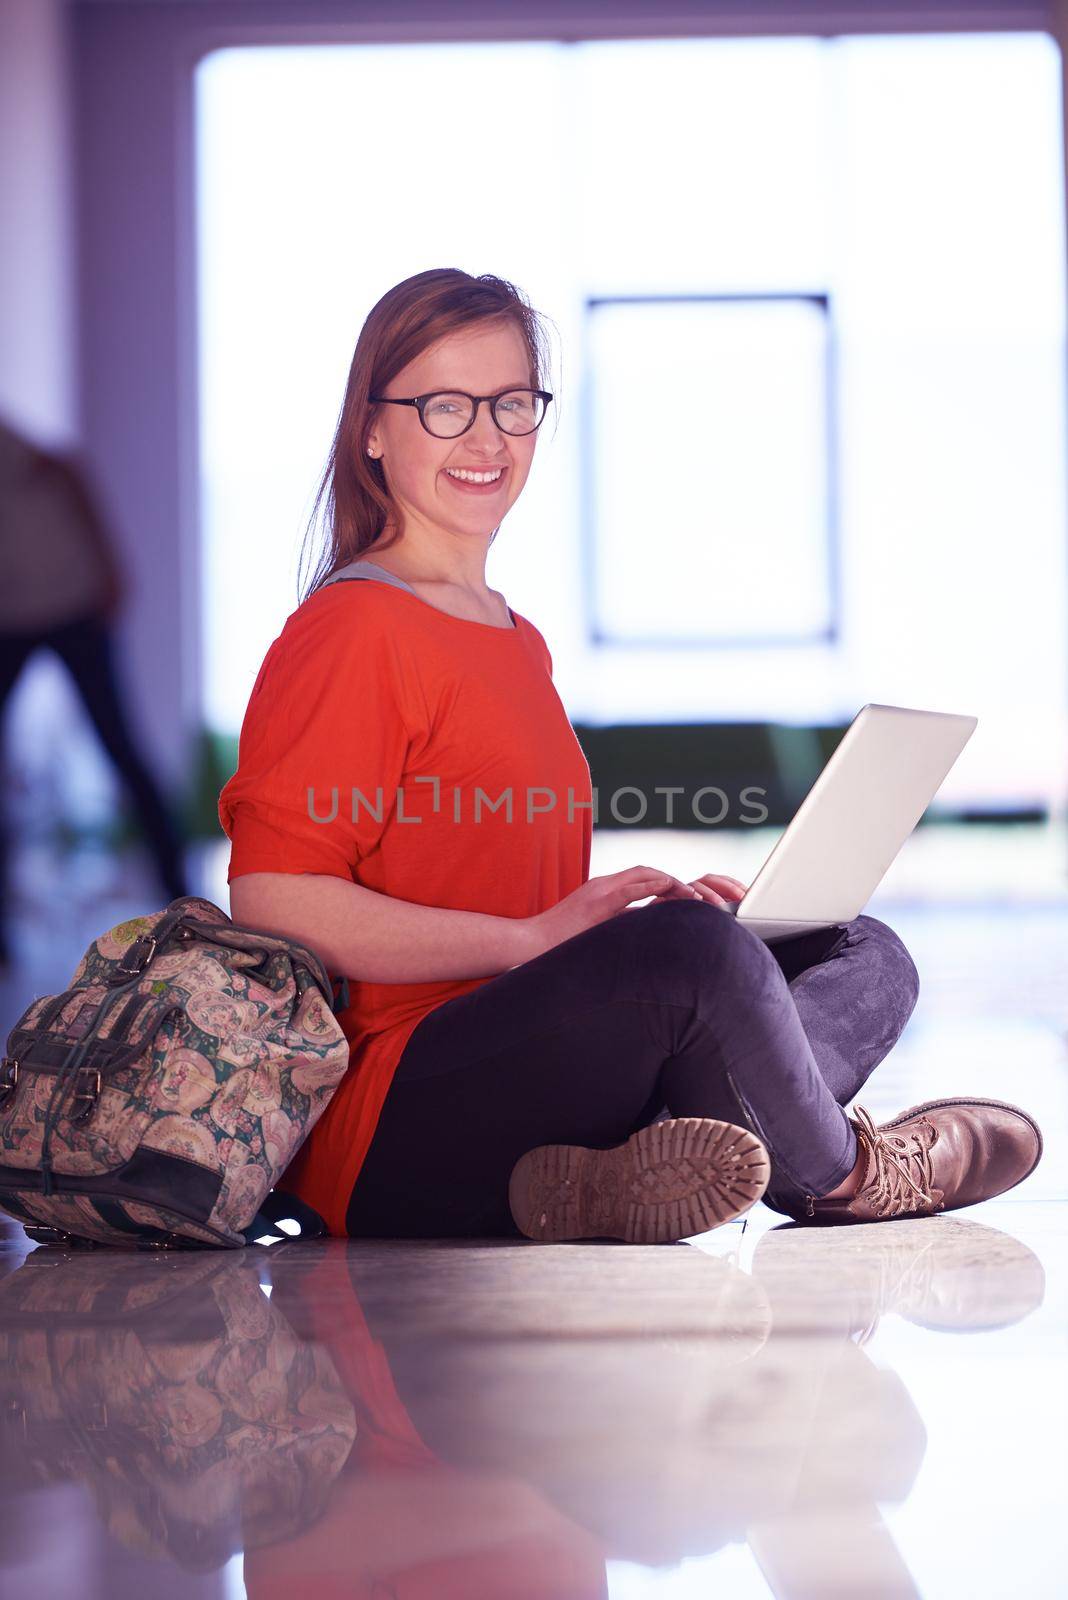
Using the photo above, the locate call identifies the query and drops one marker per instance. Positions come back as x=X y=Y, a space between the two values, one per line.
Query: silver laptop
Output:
x=885 y=770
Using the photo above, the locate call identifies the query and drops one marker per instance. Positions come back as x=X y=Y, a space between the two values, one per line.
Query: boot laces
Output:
x=903 y=1178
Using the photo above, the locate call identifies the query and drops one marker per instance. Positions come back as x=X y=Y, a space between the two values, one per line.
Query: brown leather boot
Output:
x=935 y=1157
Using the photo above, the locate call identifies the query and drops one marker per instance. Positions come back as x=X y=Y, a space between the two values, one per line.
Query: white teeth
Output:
x=474 y=477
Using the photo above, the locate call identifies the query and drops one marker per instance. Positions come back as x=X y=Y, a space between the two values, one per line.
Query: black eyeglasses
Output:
x=449 y=412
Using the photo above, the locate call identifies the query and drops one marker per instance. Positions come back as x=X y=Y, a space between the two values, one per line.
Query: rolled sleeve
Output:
x=324 y=736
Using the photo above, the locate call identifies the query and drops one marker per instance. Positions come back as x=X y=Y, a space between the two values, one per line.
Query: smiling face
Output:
x=486 y=359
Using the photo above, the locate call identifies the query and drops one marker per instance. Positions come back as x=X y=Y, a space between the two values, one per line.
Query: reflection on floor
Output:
x=766 y=1410
x=788 y=1412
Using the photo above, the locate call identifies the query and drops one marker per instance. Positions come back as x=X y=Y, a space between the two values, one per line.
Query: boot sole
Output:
x=669 y=1181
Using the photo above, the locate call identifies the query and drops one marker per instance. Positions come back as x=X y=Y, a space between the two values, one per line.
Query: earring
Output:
x=370 y=452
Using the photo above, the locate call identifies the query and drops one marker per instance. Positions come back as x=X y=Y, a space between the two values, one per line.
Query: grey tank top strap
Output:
x=367 y=569
x=371 y=569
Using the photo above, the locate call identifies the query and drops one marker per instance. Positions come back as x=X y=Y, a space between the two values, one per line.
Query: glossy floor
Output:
x=765 y=1410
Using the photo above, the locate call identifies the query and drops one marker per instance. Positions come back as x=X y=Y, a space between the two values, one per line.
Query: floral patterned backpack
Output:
x=157 y=1100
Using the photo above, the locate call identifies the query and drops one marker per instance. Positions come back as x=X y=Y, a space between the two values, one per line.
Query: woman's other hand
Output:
x=600 y=898
x=716 y=888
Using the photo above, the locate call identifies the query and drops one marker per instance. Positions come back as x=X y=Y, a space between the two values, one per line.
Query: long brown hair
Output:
x=408 y=319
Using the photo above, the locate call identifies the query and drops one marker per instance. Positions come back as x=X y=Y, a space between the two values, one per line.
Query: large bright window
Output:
x=808 y=308
x=728 y=495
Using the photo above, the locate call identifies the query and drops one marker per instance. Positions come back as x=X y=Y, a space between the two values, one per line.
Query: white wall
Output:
x=37 y=378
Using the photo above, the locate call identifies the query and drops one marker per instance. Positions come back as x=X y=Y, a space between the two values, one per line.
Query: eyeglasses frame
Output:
x=420 y=402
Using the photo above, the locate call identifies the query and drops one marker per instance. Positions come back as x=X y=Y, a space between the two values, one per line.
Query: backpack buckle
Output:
x=83 y=1103
x=137 y=957
x=9 y=1077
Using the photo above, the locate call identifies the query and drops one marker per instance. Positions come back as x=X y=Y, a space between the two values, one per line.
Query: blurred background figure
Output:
x=62 y=588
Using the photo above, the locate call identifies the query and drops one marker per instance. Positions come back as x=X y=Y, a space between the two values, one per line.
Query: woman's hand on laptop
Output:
x=715 y=887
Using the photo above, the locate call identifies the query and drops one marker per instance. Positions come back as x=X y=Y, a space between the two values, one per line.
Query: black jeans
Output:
x=675 y=1006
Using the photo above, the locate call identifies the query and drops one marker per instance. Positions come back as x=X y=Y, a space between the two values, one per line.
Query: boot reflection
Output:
x=942 y=1273
x=860 y=1441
